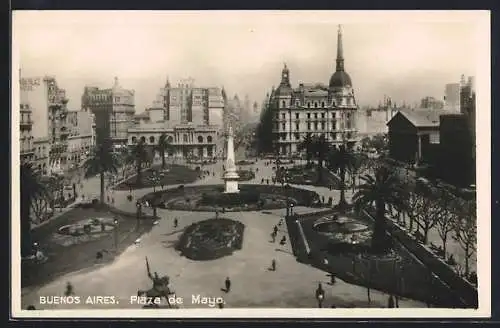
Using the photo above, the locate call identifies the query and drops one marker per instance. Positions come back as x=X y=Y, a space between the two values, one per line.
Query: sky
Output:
x=405 y=55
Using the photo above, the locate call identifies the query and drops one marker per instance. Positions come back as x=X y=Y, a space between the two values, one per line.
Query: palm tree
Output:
x=341 y=160
x=101 y=161
x=138 y=156
x=308 y=145
x=321 y=148
x=162 y=147
x=31 y=188
x=386 y=192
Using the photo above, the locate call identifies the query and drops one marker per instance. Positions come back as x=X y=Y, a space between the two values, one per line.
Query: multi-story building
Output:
x=468 y=102
x=25 y=127
x=431 y=103
x=114 y=111
x=315 y=108
x=452 y=97
x=80 y=137
x=48 y=105
x=190 y=117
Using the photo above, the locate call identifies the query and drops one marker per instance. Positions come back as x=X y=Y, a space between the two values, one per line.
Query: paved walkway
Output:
x=292 y=285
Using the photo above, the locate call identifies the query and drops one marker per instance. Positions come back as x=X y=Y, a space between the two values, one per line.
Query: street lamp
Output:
x=116 y=233
x=139 y=208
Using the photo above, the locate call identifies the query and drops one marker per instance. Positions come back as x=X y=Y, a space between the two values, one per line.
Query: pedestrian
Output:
x=332 y=279
x=390 y=302
x=275 y=229
x=227 y=284
x=320 y=295
x=273 y=265
x=262 y=181
x=69 y=289
x=176 y=222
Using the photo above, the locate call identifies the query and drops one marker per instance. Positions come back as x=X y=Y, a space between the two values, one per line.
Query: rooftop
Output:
x=421 y=117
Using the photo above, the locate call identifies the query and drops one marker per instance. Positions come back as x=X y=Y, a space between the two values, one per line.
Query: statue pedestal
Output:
x=231 y=182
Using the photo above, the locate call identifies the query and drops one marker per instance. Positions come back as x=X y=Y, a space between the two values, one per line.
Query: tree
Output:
x=356 y=166
x=341 y=160
x=31 y=188
x=466 y=229
x=446 y=220
x=321 y=148
x=307 y=144
x=428 y=209
x=138 y=156
x=385 y=191
x=264 y=134
x=101 y=161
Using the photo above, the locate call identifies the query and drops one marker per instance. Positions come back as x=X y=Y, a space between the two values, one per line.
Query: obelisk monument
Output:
x=231 y=176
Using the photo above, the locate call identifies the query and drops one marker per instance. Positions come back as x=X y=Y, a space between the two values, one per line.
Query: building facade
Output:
x=48 y=105
x=25 y=135
x=80 y=139
x=189 y=116
x=452 y=97
x=114 y=111
x=319 y=109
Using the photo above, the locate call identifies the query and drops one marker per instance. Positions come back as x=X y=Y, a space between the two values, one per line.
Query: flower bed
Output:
x=250 y=198
x=246 y=175
x=173 y=174
x=211 y=239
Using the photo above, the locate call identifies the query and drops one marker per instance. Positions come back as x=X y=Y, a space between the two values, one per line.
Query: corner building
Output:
x=315 y=108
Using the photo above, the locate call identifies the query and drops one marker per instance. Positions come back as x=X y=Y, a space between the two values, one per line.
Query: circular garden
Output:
x=252 y=197
x=211 y=239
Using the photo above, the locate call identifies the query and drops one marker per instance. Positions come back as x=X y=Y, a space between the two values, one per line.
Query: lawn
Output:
x=407 y=277
x=77 y=256
x=173 y=174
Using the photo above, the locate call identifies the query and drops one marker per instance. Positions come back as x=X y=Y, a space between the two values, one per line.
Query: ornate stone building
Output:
x=314 y=108
x=190 y=117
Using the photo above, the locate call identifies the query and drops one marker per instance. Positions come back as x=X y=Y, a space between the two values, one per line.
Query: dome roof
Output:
x=340 y=79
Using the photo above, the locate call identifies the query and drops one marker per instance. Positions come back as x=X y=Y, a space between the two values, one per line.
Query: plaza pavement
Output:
x=292 y=285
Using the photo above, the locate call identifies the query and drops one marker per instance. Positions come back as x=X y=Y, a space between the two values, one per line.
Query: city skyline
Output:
x=236 y=51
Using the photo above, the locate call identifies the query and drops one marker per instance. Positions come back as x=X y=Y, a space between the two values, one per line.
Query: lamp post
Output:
x=139 y=209
x=115 y=228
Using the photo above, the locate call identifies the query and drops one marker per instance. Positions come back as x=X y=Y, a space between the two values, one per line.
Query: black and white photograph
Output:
x=180 y=164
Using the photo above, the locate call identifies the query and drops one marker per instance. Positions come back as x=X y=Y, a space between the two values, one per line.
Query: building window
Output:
x=283 y=116
x=322 y=126
x=315 y=116
x=297 y=116
x=117 y=99
x=322 y=115
x=277 y=116
x=283 y=104
x=315 y=105
x=323 y=104
x=308 y=116
x=296 y=126
x=308 y=105
x=297 y=103
x=315 y=125
x=308 y=126
x=333 y=114
x=200 y=139
x=184 y=138
x=152 y=140
x=283 y=126
x=209 y=139
x=143 y=139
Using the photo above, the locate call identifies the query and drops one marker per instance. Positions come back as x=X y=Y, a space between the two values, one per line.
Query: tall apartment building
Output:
x=431 y=103
x=468 y=102
x=48 y=104
x=452 y=97
x=315 y=108
x=80 y=137
x=114 y=111
x=190 y=117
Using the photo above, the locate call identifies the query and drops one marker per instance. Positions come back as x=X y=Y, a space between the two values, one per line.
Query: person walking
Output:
x=275 y=230
x=273 y=265
x=320 y=295
x=176 y=223
x=69 y=289
x=227 y=283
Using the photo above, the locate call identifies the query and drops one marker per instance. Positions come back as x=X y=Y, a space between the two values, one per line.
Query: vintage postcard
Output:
x=300 y=164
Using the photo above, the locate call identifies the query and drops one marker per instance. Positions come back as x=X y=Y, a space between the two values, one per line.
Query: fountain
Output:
x=230 y=174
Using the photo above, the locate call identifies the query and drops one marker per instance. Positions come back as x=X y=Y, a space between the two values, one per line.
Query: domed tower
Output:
x=341 y=97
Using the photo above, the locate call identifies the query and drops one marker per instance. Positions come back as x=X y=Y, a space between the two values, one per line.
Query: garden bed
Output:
x=211 y=239
x=251 y=197
x=65 y=257
x=171 y=175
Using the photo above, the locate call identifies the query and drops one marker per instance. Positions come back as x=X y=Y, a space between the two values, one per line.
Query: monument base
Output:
x=231 y=187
